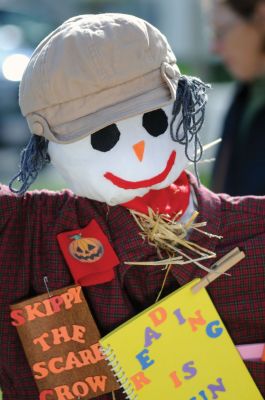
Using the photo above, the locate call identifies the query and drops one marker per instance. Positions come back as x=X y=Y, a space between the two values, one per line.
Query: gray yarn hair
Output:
x=191 y=101
x=32 y=160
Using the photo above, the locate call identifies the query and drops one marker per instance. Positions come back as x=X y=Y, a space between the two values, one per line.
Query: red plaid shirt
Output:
x=29 y=251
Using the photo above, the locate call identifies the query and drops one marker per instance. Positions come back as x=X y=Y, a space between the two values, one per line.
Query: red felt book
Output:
x=89 y=254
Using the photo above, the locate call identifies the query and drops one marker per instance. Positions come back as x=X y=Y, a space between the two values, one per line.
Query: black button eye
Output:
x=106 y=138
x=155 y=122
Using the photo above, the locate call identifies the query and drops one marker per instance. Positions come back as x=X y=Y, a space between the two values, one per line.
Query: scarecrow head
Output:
x=106 y=103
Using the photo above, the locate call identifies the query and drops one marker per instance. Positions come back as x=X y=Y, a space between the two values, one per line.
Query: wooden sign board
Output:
x=60 y=339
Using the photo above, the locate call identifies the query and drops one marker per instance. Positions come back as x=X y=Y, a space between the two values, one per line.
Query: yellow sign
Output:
x=179 y=349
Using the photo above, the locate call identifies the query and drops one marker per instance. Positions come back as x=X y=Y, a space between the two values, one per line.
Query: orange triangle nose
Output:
x=139 y=149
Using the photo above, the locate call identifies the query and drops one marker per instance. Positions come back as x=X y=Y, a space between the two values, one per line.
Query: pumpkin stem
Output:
x=77 y=236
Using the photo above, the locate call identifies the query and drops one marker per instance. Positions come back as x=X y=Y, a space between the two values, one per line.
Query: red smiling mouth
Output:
x=124 y=184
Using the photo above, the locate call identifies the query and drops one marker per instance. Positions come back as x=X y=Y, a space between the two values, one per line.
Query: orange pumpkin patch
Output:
x=86 y=249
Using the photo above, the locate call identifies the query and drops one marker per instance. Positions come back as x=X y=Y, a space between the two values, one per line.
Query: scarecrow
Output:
x=107 y=105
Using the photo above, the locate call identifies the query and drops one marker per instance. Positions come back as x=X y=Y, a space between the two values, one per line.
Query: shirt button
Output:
x=37 y=128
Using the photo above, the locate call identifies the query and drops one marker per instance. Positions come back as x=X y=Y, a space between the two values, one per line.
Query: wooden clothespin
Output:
x=220 y=267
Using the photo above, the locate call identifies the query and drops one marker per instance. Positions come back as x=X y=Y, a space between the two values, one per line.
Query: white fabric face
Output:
x=138 y=162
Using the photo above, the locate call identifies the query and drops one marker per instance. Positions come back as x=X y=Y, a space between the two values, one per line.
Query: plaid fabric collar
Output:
x=209 y=207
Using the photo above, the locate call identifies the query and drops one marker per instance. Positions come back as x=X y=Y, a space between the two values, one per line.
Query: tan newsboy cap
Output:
x=94 y=70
